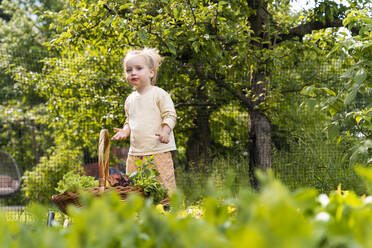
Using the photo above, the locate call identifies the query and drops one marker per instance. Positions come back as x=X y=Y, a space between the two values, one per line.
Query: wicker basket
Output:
x=67 y=198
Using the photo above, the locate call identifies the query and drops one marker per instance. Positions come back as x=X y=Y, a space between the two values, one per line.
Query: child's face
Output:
x=138 y=73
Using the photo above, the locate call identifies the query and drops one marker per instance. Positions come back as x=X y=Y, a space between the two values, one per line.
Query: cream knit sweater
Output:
x=146 y=114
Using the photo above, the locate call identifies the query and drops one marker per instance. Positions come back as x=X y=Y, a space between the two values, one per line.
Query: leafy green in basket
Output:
x=72 y=181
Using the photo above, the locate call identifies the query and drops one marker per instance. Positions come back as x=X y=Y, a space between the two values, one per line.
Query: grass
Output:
x=224 y=172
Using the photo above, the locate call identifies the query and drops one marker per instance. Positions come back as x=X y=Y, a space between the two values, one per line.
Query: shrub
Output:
x=39 y=183
x=227 y=171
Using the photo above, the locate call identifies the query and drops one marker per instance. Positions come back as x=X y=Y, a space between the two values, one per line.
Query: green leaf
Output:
x=308 y=91
x=147 y=172
x=138 y=162
x=173 y=50
x=351 y=96
x=333 y=132
x=142 y=34
x=329 y=91
x=358 y=118
x=360 y=76
x=366 y=174
x=196 y=46
x=332 y=111
x=312 y=103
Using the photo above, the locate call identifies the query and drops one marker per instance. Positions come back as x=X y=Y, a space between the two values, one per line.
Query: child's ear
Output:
x=152 y=73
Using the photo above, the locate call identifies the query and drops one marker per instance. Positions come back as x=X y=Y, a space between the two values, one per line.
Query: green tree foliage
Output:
x=4 y=15
x=357 y=93
x=85 y=94
x=106 y=41
x=21 y=106
x=305 y=151
x=349 y=104
x=217 y=53
x=212 y=50
x=20 y=46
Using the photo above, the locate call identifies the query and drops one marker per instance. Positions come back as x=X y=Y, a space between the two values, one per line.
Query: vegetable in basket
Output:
x=146 y=178
x=73 y=181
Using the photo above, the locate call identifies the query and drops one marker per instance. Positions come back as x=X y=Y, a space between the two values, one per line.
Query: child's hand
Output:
x=163 y=137
x=121 y=134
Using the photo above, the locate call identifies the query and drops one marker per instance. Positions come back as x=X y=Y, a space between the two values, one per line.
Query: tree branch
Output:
x=192 y=10
x=306 y=28
x=196 y=104
x=219 y=80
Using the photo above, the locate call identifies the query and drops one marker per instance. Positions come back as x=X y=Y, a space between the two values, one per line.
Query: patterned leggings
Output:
x=164 y=165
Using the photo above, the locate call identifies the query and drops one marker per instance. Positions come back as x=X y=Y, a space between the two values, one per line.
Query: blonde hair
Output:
x=151 y=56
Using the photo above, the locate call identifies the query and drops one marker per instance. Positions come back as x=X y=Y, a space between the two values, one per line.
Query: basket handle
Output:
x=103 y=158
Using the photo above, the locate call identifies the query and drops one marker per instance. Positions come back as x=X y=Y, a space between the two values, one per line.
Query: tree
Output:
x=21 y=106
x=205 y=42
x=357 y=95
x=350 y=106
x=22 y=34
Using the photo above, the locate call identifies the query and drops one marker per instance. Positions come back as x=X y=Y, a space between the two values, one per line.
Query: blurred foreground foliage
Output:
x=272 y=217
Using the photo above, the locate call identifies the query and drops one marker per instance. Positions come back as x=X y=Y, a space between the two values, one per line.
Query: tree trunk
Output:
x=260 y=150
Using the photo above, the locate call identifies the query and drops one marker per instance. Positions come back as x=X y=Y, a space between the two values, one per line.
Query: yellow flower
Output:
x=160 y=208
x=231 y=209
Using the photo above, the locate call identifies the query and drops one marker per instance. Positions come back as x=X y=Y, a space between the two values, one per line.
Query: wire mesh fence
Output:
x=302 y=154
x=308 y=162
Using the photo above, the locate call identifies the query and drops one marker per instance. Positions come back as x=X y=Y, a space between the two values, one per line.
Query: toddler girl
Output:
x=151 y=116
